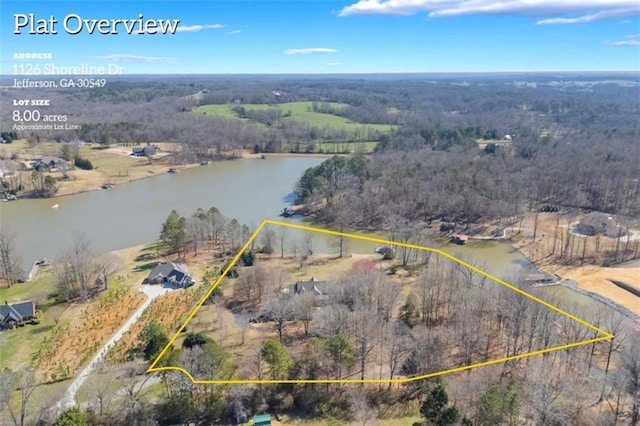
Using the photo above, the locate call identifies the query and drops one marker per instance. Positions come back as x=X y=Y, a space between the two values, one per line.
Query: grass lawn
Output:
x=322 y=267
x=38 y=289
x=30 y=152
x=17 y=346
x=341 y=147
x=300 y=112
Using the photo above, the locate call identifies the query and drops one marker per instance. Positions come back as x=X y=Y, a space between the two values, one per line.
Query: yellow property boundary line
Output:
x=152 y=368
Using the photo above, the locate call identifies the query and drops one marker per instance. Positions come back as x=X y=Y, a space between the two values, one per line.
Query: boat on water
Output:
x=172 y=170
x=54 y=206
x=287 y=212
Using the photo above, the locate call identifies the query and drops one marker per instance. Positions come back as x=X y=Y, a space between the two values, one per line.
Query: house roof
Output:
x=54 y=160
x=313 y=285
x=461 y=237
x=17 y=311
x=169 y=270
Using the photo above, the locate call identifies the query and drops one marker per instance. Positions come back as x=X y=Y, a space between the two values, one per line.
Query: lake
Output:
x=249 y=190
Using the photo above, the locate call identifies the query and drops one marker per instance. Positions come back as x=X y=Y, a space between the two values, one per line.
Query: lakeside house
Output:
x=170 y=273
x=460 y=239
x=16 y=314
x=145 y=151
x=49 y=164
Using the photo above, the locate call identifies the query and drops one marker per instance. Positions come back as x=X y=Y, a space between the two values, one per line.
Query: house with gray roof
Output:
x=145 y=151
x=170 y=273
x=50 y=164
x=16 y=314
x=313 y=286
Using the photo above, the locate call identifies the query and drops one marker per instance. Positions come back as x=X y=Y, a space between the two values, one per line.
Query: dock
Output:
x=542 y=279
x=35 y=269
x=287 y=212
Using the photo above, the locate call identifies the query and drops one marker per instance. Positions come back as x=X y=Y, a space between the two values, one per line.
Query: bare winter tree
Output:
x=364 y=411
x=363 y=324
x=75 y=270
x=396 y=338
x=102 y=390
x=25 y=383
x=133 y=380
x=267 y=240
x=105 y=265
x=282 y=236
x=630 y=366
x=617 y=325
x=10 y=260
x=304 y=307
x=281 y=308
x=543 y=392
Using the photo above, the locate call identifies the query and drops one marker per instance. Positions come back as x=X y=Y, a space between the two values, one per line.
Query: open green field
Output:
x=300 y=112
x=27 y=151
x=343 y=147
x=38 y=289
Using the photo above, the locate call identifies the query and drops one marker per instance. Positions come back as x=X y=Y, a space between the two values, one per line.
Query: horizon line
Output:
x=40 y=76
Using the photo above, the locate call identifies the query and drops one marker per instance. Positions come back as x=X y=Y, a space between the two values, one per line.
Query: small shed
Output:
x=262 y=420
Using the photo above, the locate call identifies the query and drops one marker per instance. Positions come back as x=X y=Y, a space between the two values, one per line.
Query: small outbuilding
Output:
x=460 y=239
x=262 y=420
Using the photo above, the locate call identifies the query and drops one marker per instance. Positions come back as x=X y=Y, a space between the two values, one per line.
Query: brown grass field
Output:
x=588 y=276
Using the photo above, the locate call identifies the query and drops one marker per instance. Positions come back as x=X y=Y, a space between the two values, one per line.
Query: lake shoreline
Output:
x=95 y=186
x=588 y=279
x=579 y=279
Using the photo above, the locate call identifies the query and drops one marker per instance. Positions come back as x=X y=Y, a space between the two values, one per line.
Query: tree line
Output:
x=131 y=110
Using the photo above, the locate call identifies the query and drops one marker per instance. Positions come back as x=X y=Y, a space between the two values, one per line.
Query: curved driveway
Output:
x=152 y=291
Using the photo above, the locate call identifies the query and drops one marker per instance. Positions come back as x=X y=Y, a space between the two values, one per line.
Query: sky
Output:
x=366 y=36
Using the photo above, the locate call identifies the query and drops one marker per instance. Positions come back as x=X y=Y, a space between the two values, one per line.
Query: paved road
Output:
x=152 y=292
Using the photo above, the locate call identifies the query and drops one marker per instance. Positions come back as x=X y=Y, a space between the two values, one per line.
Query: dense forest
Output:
x=441 y=112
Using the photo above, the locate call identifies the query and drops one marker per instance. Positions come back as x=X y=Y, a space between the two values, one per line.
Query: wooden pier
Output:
x=35 y=269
